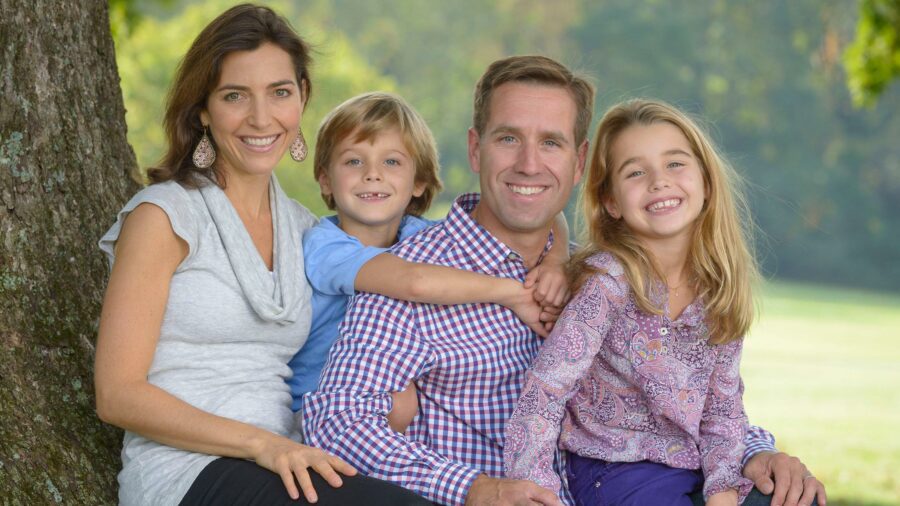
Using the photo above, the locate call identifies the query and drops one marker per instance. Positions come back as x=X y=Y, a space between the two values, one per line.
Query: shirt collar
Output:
x=486 y=251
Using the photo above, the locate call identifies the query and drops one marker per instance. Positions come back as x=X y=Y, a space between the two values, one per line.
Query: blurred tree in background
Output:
x=769 y=78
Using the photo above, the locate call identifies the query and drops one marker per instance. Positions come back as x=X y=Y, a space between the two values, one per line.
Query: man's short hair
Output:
x=534 y=69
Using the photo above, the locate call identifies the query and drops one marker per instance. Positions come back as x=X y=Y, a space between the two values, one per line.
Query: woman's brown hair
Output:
x=241 y=28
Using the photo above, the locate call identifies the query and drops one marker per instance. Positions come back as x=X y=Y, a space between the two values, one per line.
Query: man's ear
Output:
x=474 y=154
x=582 y=159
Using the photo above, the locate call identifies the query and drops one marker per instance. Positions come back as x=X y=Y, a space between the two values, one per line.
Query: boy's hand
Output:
x=551 y=288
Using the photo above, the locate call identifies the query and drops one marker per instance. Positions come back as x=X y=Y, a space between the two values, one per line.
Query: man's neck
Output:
x=528 y=244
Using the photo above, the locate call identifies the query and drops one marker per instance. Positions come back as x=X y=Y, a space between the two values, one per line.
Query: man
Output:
x=528 y=146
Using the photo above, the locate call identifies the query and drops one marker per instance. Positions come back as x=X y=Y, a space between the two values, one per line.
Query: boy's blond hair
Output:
x=721 y=257
x=368 y=115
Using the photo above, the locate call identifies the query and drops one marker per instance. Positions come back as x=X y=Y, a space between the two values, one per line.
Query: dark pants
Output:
x=228 y=481
x=595 y=482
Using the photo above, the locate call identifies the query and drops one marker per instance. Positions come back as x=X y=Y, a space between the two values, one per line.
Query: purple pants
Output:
x=595 y=482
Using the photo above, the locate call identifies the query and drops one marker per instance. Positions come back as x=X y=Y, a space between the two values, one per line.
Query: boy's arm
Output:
x=394 y=277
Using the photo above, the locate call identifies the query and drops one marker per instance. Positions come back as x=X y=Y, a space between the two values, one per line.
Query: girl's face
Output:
x=372 y=181
x=657 y=184
x=254 y=112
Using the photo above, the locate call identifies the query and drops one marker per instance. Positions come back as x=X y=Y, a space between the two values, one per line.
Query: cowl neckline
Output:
x=274 y=298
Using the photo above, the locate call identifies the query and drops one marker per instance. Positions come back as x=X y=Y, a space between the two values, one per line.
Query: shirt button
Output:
x=664 y=331
x=512 y=256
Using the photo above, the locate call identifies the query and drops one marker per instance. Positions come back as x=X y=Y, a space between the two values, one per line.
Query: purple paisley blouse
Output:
x=615 y=383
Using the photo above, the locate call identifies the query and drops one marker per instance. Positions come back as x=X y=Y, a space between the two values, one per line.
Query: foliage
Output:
x=873 y=60
x=824 y=177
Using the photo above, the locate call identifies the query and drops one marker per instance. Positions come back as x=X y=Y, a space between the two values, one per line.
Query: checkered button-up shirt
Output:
x=468 y=362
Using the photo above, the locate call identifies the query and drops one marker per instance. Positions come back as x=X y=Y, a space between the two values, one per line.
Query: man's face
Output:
x=526 y=159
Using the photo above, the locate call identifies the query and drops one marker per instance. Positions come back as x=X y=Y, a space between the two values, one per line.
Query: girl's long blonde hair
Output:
x=721 y=260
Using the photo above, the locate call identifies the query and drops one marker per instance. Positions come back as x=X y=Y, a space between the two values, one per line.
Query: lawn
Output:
x=822 y=372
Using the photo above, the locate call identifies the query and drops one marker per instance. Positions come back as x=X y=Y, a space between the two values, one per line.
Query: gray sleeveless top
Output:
x=229 y=329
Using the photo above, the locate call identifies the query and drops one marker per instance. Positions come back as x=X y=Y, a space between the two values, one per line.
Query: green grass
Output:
x=822 y=372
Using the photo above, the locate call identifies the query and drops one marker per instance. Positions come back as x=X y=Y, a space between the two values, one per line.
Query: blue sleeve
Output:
x=412 y=225
x=333 y=258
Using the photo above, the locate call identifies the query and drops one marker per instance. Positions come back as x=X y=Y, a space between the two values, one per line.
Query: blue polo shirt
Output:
x=333 y=259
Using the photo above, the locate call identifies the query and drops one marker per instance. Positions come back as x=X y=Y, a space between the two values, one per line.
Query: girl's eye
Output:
x=633 y=173
x=282 y=93
x=674 y=165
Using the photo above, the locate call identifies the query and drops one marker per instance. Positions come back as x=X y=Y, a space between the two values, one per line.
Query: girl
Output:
x=639 y=381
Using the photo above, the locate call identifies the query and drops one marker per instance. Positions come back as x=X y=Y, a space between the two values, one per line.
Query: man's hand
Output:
x=486 y=491
x=786 y=478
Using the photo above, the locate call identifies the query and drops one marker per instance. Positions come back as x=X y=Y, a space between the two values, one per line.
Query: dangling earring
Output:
x=298 y=147
x=204 y=154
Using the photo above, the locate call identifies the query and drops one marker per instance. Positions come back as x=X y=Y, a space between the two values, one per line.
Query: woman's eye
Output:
x=281 y=93
x=232 y=96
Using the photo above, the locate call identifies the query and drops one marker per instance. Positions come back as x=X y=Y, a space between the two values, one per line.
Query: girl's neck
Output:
x=672 y=260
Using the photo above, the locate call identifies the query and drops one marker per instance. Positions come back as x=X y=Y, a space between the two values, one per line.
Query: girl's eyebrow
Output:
x=670 y=152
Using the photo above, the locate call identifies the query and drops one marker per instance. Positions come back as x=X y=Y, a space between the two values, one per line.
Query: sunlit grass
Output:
x=822 y=372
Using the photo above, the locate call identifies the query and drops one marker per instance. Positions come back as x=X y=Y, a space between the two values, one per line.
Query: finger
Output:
x=341 y=466
x=531 y=278
x=539 y=328
x=548 y=317
x=782 y=482
x=810 y=490
x=306 y=484
x=543 y=496
x=323 y=467
x=288 y=479
x=796 y=489
x=821 y=497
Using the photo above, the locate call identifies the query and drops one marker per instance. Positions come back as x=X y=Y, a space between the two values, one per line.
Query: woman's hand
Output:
x=291 y=460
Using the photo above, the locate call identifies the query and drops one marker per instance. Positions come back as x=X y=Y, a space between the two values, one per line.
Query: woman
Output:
x=207 y=300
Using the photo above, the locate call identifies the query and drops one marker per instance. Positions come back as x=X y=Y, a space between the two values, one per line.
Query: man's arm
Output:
x=378 y=353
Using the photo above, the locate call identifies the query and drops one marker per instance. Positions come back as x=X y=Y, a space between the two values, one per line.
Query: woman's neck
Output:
x=249 y=195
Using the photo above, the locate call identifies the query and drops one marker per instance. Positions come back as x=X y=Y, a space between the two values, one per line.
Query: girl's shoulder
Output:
x=608 y=275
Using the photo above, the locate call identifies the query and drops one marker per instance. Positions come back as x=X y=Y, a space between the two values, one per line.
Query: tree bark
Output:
x=65 y=169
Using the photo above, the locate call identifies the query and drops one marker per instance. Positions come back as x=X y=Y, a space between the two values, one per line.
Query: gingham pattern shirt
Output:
x=468 y=362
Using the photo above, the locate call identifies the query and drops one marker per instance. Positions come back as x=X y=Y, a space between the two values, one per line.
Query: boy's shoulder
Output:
x=428 y=241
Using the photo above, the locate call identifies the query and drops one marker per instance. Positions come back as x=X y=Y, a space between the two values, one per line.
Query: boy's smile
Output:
x=372 y=182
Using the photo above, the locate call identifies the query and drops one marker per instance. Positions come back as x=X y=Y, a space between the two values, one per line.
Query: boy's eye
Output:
x=354 y=162
x=393 y=162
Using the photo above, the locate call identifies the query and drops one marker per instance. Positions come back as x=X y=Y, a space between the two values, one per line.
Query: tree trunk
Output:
x=65 y=169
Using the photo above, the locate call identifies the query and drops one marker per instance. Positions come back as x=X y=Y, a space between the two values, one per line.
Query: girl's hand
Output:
x=725 y=498
x=551 y=288
x=290 y=460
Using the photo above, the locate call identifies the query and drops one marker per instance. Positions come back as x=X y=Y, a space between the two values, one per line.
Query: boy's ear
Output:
x=418 y=189
x=325 y=184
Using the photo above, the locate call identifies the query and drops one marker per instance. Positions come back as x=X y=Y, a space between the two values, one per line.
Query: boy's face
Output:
x=371 y=182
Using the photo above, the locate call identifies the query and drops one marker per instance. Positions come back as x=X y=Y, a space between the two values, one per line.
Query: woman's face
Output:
x=254 y=111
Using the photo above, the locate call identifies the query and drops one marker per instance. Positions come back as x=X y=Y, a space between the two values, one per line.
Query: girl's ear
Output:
x=611 y=208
